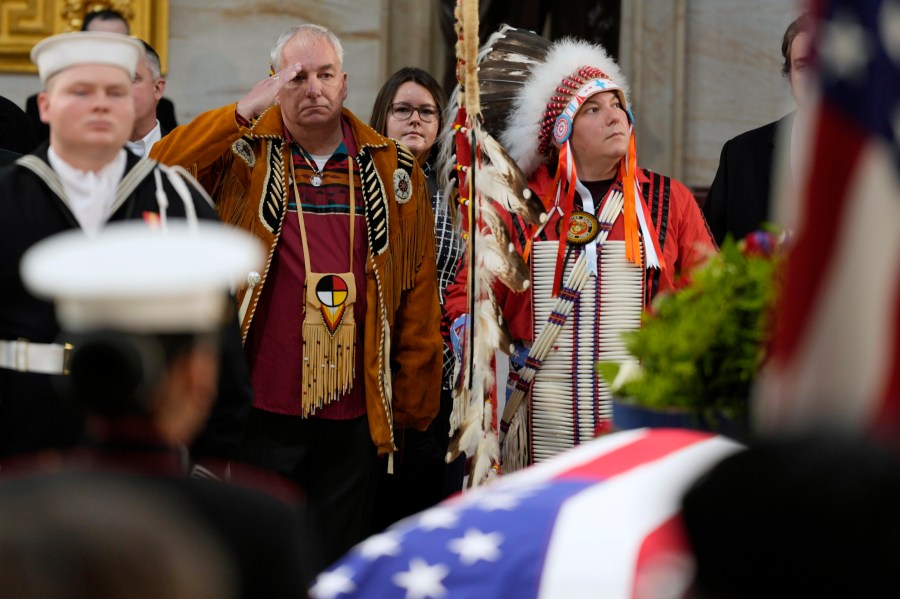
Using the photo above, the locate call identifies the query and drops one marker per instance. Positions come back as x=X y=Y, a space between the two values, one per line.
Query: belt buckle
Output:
x=67 y=357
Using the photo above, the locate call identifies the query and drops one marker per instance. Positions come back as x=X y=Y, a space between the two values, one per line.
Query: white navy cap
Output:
x=137 y=279
x=58 y=52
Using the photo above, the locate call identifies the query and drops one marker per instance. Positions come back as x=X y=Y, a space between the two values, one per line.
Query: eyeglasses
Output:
x=402 y=112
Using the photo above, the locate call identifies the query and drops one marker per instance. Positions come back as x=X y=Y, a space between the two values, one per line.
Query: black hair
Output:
x=113 y=373
x=104 y=14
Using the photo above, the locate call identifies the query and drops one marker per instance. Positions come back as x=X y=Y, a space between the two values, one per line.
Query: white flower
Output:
x=629 y=371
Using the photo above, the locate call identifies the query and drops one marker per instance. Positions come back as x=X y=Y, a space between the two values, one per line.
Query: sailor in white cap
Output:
x=83 y=180
x=145 y=308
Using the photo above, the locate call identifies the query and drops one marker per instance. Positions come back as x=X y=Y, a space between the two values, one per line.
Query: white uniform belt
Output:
x=25 y=356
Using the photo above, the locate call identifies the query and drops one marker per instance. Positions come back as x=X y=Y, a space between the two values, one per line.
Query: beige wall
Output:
x=701 y=71
x=219 y=48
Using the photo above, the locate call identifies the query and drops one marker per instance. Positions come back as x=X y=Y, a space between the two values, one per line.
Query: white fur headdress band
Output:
x=543 y=96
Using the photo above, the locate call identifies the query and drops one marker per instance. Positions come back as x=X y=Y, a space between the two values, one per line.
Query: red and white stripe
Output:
x=615 y=533
x=836 y=354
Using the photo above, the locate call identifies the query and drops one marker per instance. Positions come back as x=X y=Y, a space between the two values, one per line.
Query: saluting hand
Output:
x=265 y=93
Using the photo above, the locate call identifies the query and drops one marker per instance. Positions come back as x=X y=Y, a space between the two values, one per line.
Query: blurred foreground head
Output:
x=816 y=517
x=79 y=537
x=143 y=307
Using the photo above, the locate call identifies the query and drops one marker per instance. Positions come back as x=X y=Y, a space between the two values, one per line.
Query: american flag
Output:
x=836 y=355
x=597 y=521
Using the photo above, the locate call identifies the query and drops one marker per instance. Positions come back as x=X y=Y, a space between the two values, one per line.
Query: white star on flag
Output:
x=422 y=580
x=889 y=27
x=499 y=501
x=845 y=48
x=439 y=517
x=380 y=546
x=331 y=584
x=476 y=545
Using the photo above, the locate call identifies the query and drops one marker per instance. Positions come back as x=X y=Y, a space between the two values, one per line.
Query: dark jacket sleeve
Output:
x=225 y=425
x=716 y=207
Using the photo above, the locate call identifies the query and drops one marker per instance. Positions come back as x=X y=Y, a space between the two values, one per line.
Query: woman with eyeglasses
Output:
x=410 y=109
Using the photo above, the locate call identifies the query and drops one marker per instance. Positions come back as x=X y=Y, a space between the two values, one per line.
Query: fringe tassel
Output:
x=233 y=202
x=627 y=169
x=328 y=363
x=414 y=236
x=410 y=263
x=515 y=445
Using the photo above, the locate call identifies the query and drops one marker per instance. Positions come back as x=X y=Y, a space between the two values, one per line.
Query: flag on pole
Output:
x=835 y=356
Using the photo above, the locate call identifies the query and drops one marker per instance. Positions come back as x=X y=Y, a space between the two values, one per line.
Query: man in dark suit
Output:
x=16 y=132
x=738 y=200
x=147 y=88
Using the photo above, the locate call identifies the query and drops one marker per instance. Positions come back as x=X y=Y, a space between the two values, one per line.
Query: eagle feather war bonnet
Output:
x=540 y=120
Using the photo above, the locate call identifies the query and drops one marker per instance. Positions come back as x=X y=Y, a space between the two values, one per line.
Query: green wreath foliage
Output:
x=700 y=347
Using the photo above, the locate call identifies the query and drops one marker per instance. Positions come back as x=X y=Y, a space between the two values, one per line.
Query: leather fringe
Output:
x=328 y=362
x=233 y=201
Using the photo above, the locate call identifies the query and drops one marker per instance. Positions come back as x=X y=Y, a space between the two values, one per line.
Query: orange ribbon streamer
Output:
x=627 y=172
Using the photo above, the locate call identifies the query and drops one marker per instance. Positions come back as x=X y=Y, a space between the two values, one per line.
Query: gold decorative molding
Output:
x=23 y=23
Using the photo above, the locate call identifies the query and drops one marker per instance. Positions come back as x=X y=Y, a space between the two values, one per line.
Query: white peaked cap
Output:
x=58 y=52
x=136 y=279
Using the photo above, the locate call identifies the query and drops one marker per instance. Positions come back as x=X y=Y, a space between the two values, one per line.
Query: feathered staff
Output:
x=485 y=175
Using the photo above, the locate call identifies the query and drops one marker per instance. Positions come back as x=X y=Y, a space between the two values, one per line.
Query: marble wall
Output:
x=701 y=71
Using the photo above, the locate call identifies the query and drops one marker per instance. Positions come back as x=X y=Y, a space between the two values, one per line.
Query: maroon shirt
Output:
x=275 y=341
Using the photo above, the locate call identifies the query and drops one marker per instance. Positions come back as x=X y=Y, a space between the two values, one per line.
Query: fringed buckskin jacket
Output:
x=246 y=170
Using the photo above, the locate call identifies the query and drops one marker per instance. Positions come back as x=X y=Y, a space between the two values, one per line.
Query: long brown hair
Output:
x=385 y=98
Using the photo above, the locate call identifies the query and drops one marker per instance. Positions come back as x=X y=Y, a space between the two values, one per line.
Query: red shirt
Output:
x=275 y=341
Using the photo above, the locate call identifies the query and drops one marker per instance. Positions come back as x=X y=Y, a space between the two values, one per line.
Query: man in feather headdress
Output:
x=614 y=236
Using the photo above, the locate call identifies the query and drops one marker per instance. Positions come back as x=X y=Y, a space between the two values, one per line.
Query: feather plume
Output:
x=486 y=455
x=515 y=45
x=465 y=439
x=498 y=258
x=487 y=94
x=446 y=159
x=493 y=335
x=503 y=182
